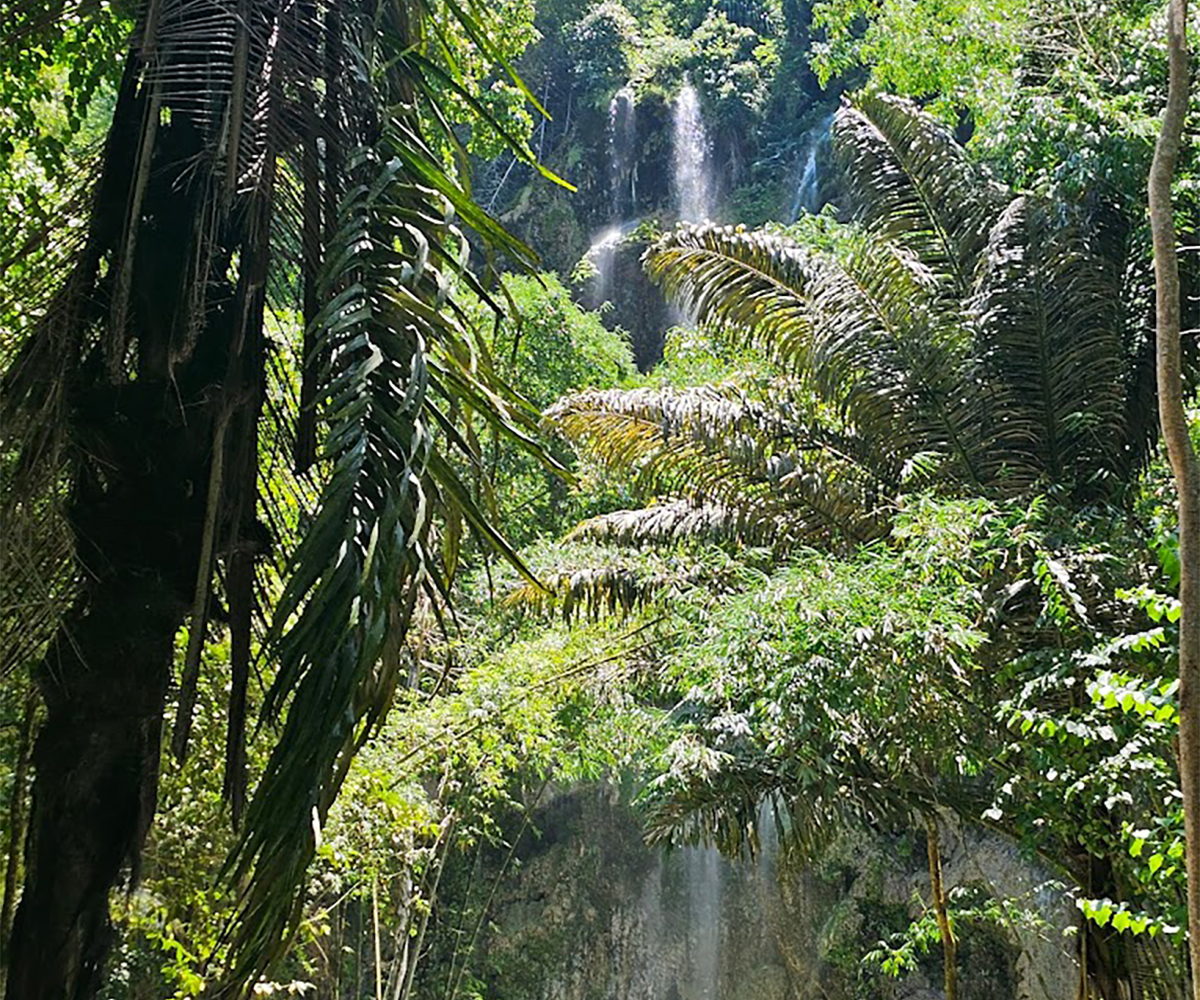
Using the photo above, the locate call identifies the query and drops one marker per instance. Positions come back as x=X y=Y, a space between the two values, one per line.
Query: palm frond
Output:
x=611 y=589
x=670 y=522
x=910 y=182
x=864 y=325
x=391 y=345
x=752 y=284
x=601 y=582
x=760 y=463
x=1050 y=343
x=894 y=359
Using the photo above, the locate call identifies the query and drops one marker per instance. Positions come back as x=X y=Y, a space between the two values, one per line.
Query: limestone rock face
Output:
x=592 y=913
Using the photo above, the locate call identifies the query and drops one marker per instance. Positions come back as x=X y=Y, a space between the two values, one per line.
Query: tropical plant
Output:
x=955 y=336
x=954 y=339
x=1052 y=93
x=269 y=167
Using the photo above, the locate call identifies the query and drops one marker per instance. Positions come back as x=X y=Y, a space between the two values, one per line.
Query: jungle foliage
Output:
x=311 y=482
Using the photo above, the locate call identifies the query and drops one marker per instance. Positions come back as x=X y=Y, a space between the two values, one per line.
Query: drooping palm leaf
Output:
x=396 y=356
x=675 y=521
x=754 y=461
x=910 y=182
x=808 y=799
x=1050 y=344
x=751 y=284
x=615 y=587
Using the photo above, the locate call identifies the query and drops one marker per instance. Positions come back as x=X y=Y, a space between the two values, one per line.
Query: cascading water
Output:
x=807 y=188
x=622 y=153
x=702 y=978
x=622 y=168
x=692 y=172
x=622 y=181
x=808 y=185
x=601 y=255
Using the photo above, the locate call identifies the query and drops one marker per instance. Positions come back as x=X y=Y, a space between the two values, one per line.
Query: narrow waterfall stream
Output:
x=703 y=867
x=622 y=154
x=808 y=197
x=693 y=179
x=622 y=188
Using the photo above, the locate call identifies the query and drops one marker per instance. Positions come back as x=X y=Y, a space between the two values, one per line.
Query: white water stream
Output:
x=691 y=158
x=808 y=197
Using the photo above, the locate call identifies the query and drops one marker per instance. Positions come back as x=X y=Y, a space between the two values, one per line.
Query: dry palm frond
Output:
x=614 y=589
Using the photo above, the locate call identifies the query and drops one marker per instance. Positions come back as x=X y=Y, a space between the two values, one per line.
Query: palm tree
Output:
x=955 y=336
x=265 y=159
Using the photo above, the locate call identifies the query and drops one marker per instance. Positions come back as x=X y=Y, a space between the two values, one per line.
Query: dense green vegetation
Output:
x=342 y=540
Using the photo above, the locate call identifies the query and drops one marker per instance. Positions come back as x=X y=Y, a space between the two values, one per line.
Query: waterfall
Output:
x=601 y=254
x=622 y=191
x=622 y=152
x=692 y=174
x=806 y=190
x=808 y=185
x=702 y=977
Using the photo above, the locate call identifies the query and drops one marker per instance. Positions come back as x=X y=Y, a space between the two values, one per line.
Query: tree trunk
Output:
x=104 y=682
x=941 y=911
x=1180 y=452
x=16 y=822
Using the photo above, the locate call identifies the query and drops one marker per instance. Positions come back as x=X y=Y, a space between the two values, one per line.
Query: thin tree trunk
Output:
x=1182 y=455
x=417 y=942
x=938 y=890
x=16 y=822
x=375 y=928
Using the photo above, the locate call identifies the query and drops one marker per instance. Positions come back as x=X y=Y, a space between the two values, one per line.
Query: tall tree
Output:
x=1182 y=454
x=264 y=156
